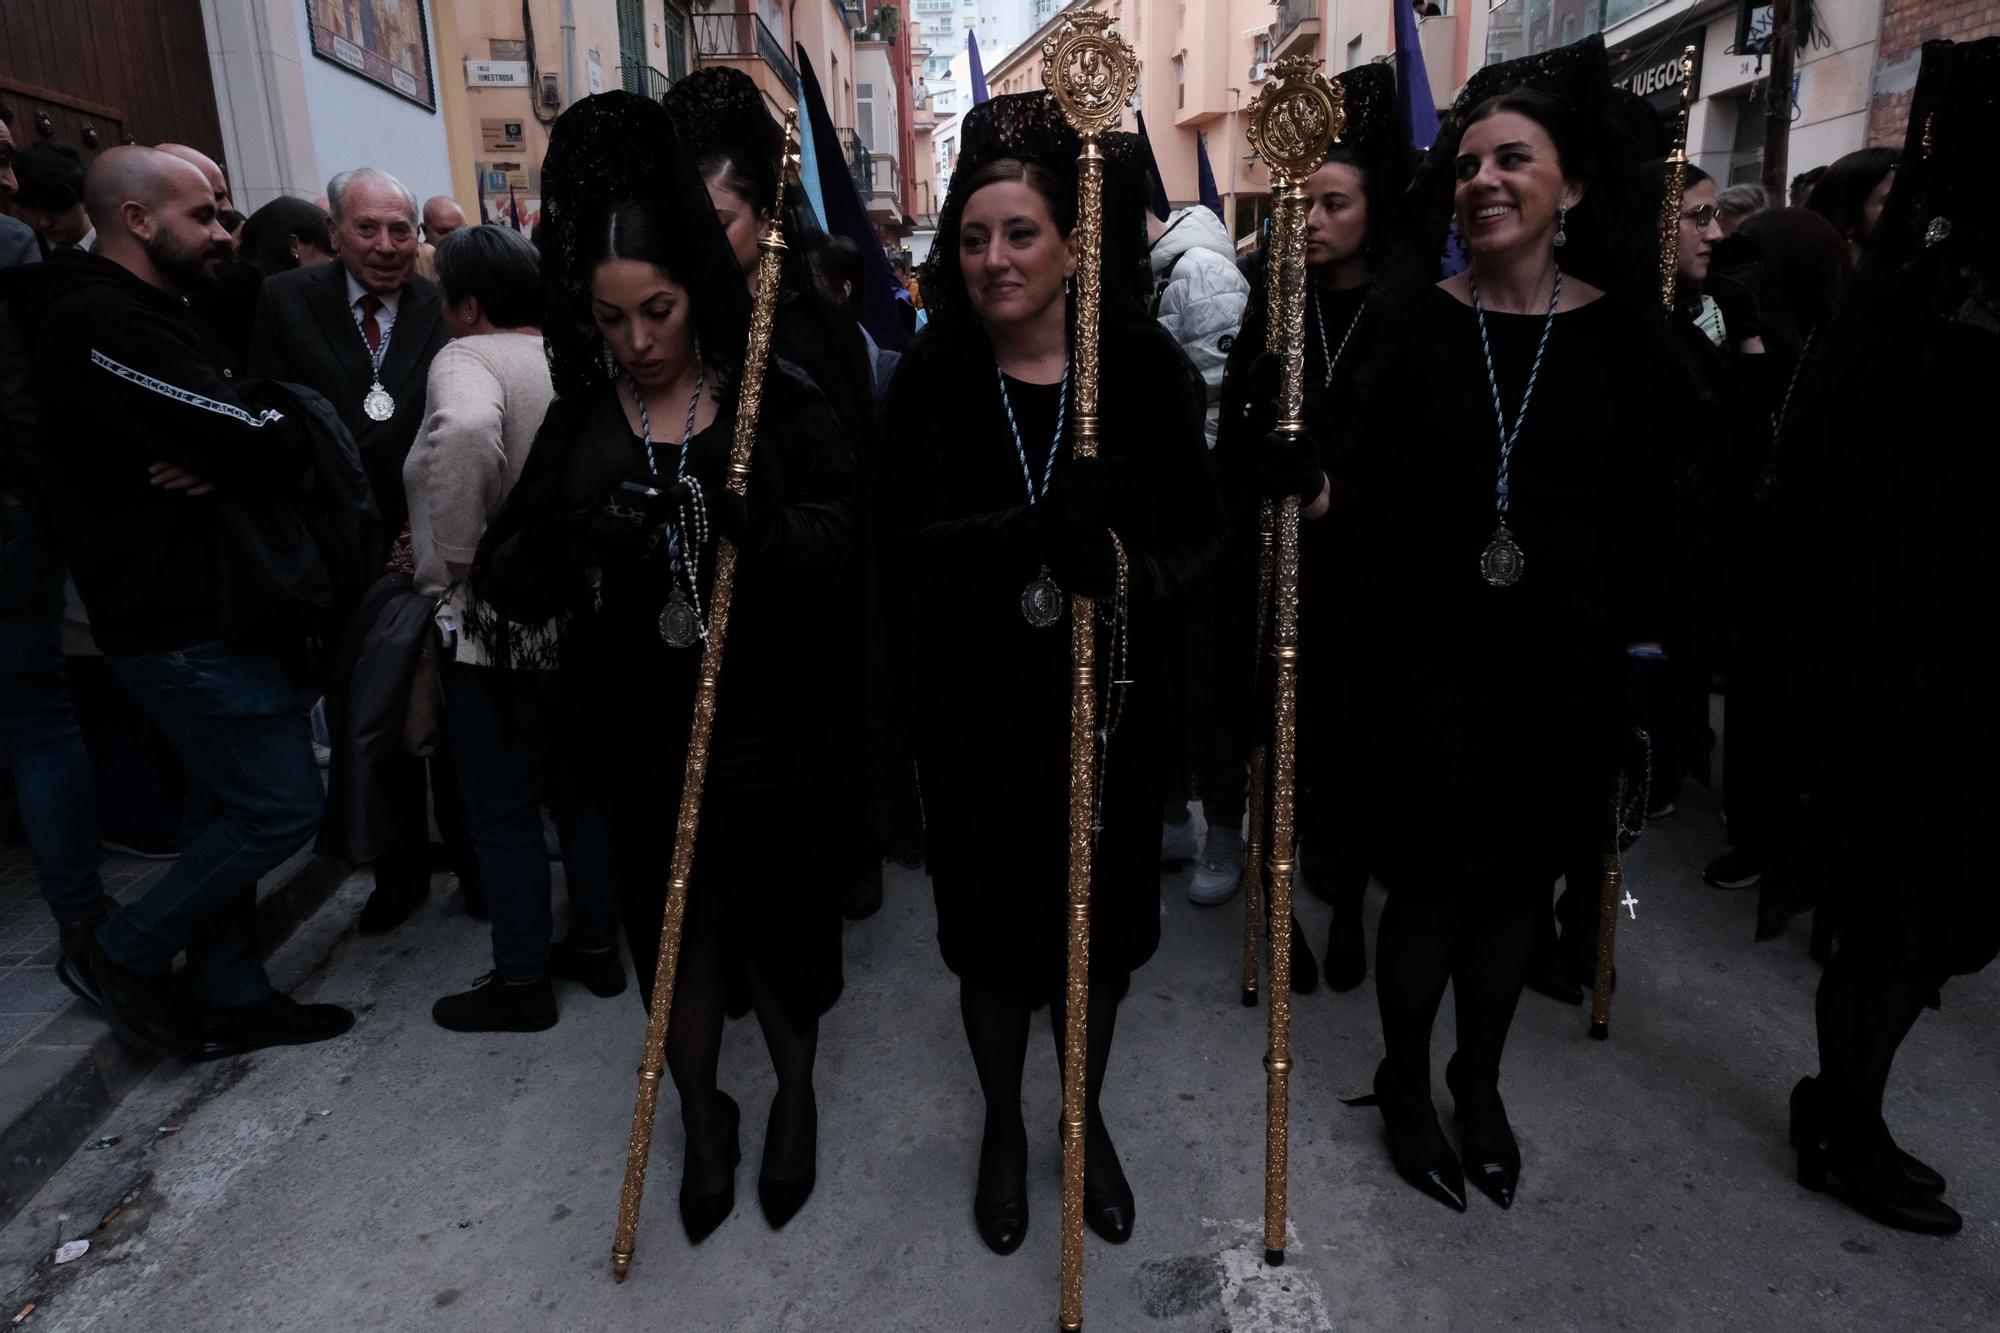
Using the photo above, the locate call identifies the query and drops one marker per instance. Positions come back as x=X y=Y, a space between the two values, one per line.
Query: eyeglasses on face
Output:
x=1702 y=216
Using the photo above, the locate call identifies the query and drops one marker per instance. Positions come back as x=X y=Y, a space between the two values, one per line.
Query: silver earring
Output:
x=1562 y=221
x=610 y=364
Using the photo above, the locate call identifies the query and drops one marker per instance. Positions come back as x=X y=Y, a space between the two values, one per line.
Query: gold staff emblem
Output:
x=1091 y=74
x=1292 y=122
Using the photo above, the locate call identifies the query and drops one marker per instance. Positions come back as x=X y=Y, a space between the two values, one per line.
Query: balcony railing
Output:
x=644 y=79
x=858 y=164
x=741 y=35
x=1291 y=14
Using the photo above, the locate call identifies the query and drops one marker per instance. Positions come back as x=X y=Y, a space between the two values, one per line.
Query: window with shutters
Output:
x=632 y=45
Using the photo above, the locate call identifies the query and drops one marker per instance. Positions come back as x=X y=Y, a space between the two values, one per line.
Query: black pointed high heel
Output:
x=701 y=1213
x=779 y=1197
x=1487 y=1146
x=1000 y=1207
x=1418 y=1148
x=1808 y=1117
x=1109 y=1210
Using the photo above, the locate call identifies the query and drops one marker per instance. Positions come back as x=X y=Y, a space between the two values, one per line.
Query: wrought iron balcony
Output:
x=643 y=79
x=741 y=35
x=1296 y=29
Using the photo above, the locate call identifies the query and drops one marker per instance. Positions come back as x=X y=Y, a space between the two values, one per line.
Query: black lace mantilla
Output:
x=606 y=150
x=1031 y=127
x=1612 y=234
x=1940 y=222
x=718 y=109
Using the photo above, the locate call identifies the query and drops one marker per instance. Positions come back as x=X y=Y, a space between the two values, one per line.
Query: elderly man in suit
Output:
x=362 y=332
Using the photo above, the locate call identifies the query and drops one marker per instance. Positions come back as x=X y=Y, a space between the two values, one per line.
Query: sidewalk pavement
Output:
x=61 y=1070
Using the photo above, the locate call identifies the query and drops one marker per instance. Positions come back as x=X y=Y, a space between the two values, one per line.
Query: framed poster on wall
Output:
x=383 y=41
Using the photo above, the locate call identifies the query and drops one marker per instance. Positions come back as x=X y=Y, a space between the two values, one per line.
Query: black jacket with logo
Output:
x=125 y=377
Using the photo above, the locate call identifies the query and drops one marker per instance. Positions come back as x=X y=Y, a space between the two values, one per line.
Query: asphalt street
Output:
x=407 y=1178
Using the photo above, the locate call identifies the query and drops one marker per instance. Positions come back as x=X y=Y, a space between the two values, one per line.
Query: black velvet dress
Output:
x=1495 y=710
x=770 y=771
x=989 y=693
x=1333 y=558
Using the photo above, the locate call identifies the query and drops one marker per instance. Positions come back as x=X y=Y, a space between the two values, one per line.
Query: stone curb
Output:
x=57 y=1087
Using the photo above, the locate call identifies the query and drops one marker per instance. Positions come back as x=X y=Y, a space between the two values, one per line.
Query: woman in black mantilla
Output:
x=980 y=499
x=613 y=526
x=726 y=127
x=1515 y=583
x=1349 y=223
x=1889 y=548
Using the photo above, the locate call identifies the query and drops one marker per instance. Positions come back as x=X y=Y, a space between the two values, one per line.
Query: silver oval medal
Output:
x=1042 y=601
x=1767 y=484
x=1500 y=563
x=679 y=628
x=378 y=404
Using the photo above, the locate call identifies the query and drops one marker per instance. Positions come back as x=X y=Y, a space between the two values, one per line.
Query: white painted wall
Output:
x=358 y=123
x=290 y=120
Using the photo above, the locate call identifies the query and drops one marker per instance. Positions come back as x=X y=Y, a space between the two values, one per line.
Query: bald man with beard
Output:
x=156 y=444
x=228 y=306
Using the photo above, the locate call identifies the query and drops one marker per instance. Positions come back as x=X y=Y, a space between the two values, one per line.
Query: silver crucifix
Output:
x=1630 y=904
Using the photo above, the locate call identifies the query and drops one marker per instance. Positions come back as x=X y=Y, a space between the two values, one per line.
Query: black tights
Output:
x=1867 y=1003
x=694 y=1050
x=996 y=1030
x=1481 y=948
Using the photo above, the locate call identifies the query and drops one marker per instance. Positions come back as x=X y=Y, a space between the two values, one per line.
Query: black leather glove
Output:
x=1078 y=501
x=1085 y=564
x=1289 y=465
x=625 y=520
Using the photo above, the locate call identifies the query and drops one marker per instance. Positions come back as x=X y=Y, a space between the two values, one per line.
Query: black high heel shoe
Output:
x=1417 y=1146
x=781 y=1197
x=1108 y=1205
x=1808 y=1117
x=1486 y=1141
x=701 y=1213
x=1000 y=1202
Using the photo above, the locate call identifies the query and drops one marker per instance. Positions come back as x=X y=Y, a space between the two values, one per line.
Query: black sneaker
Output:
x=492 y=1005
x=277 y=1020
x=1736 y=869
x=601 y=972
x=140 y=1006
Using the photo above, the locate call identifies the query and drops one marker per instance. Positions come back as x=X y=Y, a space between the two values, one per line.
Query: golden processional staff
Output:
x=1091 y=74
x=1292 y=122
x=1611 y=887
x=749 y=402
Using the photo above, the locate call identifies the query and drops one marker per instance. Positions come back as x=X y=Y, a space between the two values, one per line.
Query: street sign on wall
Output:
x=496 y=73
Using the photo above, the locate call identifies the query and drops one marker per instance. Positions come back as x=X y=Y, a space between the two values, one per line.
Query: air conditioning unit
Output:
x=1260 y=71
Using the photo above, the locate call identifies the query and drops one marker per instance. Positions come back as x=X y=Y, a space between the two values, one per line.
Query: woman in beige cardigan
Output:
x=489 y=390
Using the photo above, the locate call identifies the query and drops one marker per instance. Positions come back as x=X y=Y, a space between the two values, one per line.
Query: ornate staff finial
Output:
x=1294 y=118
x=1091 y=71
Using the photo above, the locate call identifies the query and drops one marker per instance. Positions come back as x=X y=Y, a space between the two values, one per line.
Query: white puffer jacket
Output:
x=1199 y=296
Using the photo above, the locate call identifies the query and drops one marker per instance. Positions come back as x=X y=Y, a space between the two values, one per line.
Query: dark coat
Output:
x=989 y=695
x=305 y=333
x=758 y=887
x=124 y=377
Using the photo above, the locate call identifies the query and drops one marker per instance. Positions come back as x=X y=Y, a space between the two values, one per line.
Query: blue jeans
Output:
x=52 y=780
x=514 y=755
x=253 y=798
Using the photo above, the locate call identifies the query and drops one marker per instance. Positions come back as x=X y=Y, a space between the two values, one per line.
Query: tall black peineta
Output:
x=617 y=153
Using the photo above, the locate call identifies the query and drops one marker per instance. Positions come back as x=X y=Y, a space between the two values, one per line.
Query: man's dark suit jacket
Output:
x=305 y=333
